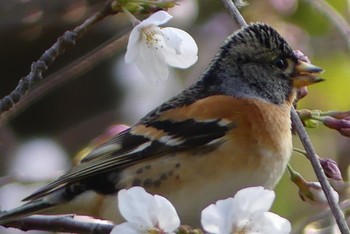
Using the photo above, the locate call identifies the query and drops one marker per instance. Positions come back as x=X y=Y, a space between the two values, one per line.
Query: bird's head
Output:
x=257 y=62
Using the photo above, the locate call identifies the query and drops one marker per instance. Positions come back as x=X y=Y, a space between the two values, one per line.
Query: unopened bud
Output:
x=311 y=123
x=341 y=125
x=301 y=56
x=337 y=114
x=312 y=193
x=301 y=92
x=331 y=169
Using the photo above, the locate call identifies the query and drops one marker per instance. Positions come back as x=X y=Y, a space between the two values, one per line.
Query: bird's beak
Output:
x=306 y=74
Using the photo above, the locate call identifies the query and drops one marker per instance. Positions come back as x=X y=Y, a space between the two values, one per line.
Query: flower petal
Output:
x=137 y=206
x=133 y=47
x=216 y=218
x=158 y=18
x=168 y=219
x=245 y=213
x=268 y=222
x=152 y=65
x=254 y=199
x=211 y=219
x=125 y=228
x=181 y=49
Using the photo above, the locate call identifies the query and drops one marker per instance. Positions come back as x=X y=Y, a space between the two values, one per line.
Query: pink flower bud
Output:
x=331 y=169
x=341 y=125
x=301 y=56
x=338 y=114
x=301 y=93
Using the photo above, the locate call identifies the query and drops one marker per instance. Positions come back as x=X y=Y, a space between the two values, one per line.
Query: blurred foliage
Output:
x=302 y=17
x=80 y=110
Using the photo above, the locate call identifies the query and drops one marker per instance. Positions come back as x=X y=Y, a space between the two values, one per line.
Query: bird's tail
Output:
x=32 y=207
x=41 y=203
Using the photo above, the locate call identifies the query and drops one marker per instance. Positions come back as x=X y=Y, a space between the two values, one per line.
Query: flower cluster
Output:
x=337 y=120
x=247 y=212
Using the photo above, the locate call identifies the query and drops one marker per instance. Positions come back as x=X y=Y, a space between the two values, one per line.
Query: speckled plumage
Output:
x=228 y=131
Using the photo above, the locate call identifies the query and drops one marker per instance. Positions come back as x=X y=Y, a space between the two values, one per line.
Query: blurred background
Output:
x=38 y=141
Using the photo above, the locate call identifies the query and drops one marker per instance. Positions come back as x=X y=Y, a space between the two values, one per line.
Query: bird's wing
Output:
x=146 y=140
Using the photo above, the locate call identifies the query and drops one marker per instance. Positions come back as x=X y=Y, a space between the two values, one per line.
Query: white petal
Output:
x=181 y=49
x=158 y=18
x=125 y=228
x=269 y=223
x=254 y=199
x=132 y=48
x=212 y=220
x=152 y=65
x=172 y=39
x=217 y=218
x=168 y=219
x=137 y=206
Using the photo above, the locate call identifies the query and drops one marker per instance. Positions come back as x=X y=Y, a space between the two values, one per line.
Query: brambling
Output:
x=228 y=131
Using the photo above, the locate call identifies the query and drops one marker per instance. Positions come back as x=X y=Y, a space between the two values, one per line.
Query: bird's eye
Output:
x=280 y=63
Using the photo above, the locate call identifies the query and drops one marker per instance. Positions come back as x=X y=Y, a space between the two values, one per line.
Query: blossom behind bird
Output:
x=154 y=48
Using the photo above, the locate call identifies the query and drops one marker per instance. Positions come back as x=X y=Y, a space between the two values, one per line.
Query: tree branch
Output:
x=234 y=13
x=65 y=223
x=67 y=40
x=73 y=70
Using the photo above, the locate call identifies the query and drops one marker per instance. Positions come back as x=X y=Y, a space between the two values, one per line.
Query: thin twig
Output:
x=338 y=21
x=234 y=13
x=59 y=224
x=67 y=40
x=62 y=76
x=304 y=138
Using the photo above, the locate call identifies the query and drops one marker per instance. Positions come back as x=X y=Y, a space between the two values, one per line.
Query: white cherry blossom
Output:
x=247 y=212
x=145 y=213
x=154 y=48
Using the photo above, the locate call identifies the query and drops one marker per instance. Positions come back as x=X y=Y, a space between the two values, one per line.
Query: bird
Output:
x=229 y=130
